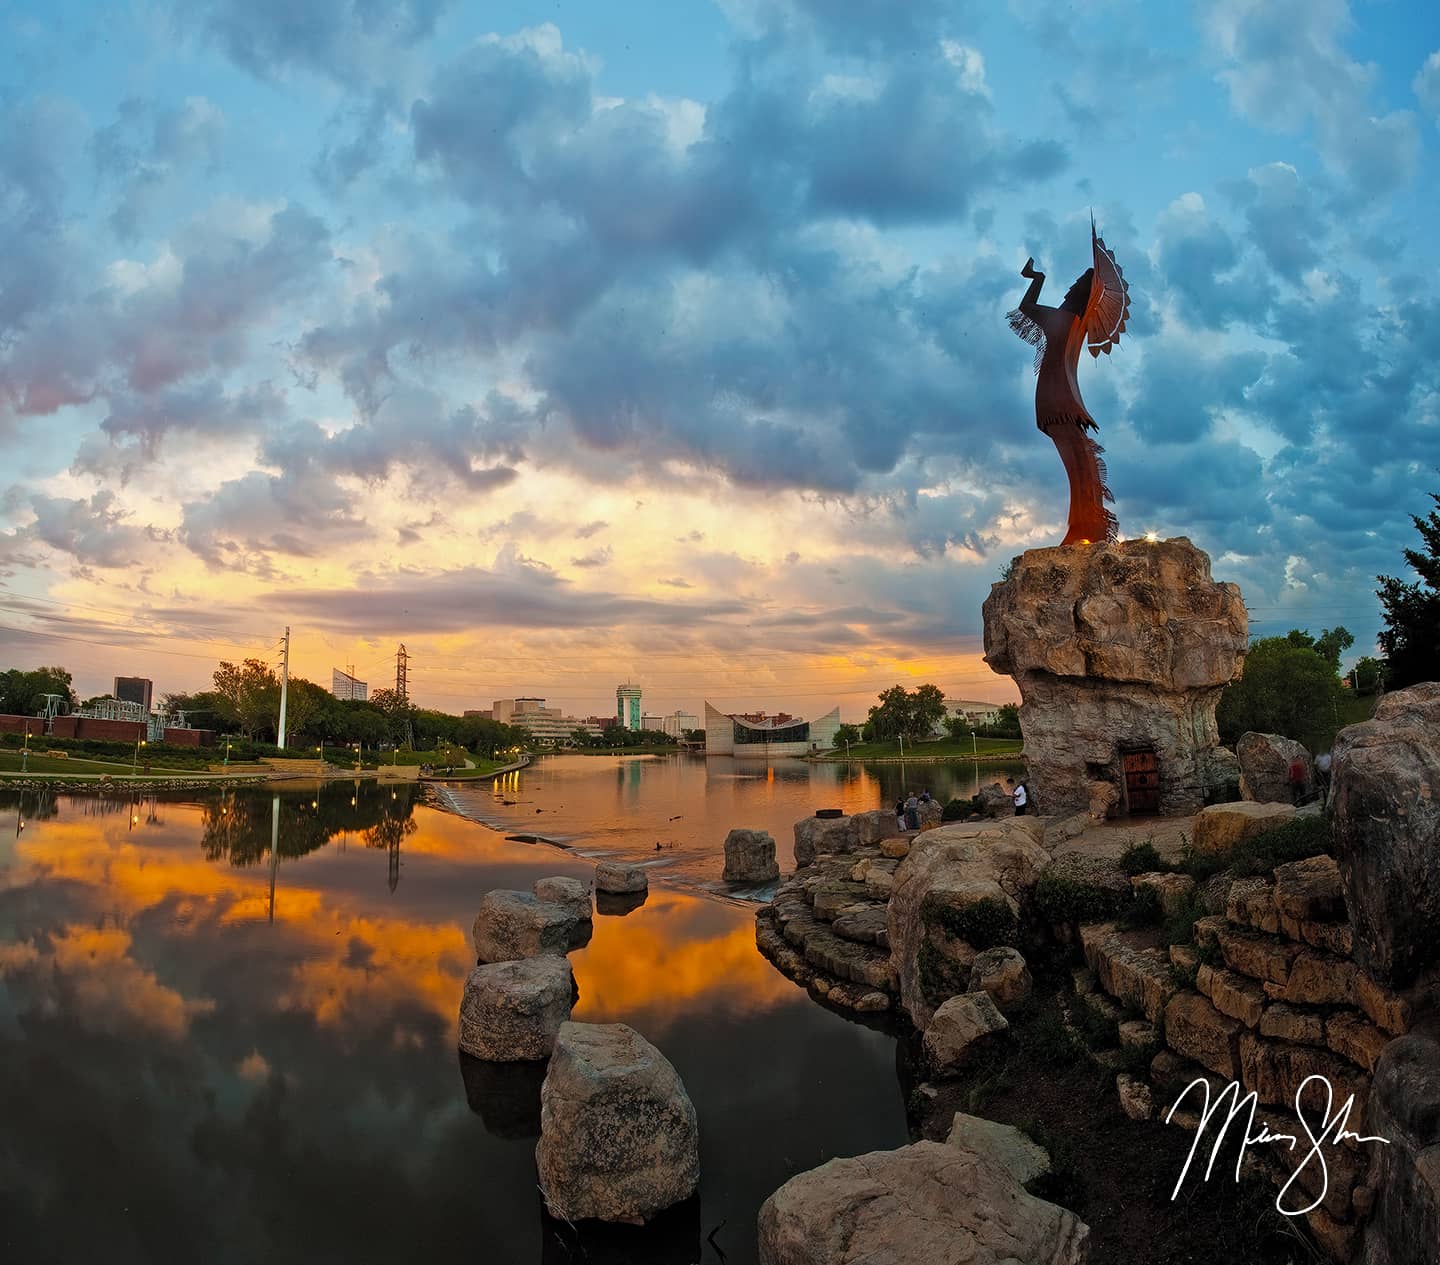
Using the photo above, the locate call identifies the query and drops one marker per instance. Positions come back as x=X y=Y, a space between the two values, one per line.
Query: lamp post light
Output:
x=135 y=759
x=227 y=753
x=25 y=752
x=974 y=747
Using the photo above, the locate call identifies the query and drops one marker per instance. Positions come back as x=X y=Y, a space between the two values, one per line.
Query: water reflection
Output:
x=196 y=1070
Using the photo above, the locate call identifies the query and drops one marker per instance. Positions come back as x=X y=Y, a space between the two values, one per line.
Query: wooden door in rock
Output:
x=1142 y=782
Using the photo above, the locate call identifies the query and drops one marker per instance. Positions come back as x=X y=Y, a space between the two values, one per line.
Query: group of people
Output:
x=907 y=810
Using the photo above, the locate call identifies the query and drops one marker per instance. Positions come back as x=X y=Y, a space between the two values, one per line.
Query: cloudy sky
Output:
x=571 y=342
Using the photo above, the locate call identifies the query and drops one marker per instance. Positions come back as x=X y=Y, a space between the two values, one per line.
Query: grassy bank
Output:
x=10 y=762
x=940 y=749
x=650 y=749
x=483 y=768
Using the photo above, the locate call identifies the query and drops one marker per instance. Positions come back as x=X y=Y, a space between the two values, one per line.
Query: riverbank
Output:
x=476 y=774
x=104 y=784
x=932 y=752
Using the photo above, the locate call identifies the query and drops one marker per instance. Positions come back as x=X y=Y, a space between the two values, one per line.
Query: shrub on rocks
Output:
x=981 y=925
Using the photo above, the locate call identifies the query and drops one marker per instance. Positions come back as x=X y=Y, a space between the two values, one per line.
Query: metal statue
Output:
x=1094 y=313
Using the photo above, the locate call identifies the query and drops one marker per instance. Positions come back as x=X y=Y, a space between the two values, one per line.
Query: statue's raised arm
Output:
x=1093 y=312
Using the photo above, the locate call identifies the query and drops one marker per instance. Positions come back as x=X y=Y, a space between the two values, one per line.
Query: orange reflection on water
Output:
x=676 y=948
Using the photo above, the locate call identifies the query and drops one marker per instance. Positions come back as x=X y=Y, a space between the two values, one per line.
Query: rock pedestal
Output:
x=513 y=925
x=618 y=1136
x=1117 y=648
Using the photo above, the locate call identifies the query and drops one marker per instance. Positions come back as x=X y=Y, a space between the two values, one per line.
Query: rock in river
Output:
x=750 y=857
x=570 y=893
x=619 y=879
x=618 y=1137
x=513 y=1010
x=513 y=925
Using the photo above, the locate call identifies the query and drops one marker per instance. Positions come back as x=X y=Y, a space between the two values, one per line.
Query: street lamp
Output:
x=135 y=759
x=974 y=747
x=321 y=750
x=227 y=752
x=25 y=753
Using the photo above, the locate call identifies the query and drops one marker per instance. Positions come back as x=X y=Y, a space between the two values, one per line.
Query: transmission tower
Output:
x=402 y=664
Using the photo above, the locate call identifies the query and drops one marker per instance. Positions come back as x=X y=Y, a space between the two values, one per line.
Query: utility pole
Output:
x=402 y=665
x=284 y=686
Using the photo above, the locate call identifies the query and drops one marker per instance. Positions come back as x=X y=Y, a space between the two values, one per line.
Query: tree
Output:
x=248 y=694
x=927 y=710
x=899 y=711
x=22 y=693
x=847 y=733
x=1007 y=722
x=1366 y=675
x=1411 y=636
x=1288 y=688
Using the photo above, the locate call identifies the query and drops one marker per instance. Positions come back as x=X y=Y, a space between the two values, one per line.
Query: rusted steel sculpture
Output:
x=1094 y=313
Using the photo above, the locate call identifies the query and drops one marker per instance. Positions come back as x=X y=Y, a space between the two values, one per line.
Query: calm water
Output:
x=215 y=1050
x=604 y=806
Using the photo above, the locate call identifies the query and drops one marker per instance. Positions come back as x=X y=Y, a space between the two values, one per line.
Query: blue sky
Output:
x=569 y=343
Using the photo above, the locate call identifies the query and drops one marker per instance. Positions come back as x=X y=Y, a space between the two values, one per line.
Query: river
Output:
x=215 y=1049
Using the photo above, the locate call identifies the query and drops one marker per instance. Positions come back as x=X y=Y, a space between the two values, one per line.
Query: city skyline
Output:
x=569 y=348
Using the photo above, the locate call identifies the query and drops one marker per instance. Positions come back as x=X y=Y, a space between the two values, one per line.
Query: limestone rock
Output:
x=618 y=1137
x=1125 y=642
x=919 y=1205
x=1250 y=902
x=750 y=857
x=1265 y=767
x=569 y=893
x=1291 y=1023
x=1136 y=1100
x=1309 y=890
x=949 y=869
x=995 y=801
x=1354 y=1037
x=1139 y=1036
x=959 y=1028
x=1221 y=827
x=512 y=1010
x=1231 y=994
x=1276 y=1070
x=615 y=878
x=1195 y=1029
x=1257 y=955
x=513 y=925
x=1104 y=796
x=1002 y=973
x=896 y=849
x=1023 y=1158
x=1387 y=819
x=1131 y=966
x=814 y=835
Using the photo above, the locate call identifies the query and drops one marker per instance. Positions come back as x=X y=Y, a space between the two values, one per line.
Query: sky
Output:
x=571 y=344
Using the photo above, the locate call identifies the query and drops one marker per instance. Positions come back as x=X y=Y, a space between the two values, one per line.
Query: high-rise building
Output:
x=347 y=685
x=627 y=706
x=678 y=723
x=134 y=689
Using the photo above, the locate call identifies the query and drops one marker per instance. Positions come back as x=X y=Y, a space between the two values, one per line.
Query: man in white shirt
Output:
x=1017 y=793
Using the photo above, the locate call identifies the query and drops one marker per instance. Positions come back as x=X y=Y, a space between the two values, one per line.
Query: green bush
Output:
x=1295 y=840
x=1179 y=927
x=1144 y=910
x=982 y=925
x=1060 y=900
x=1141 y=858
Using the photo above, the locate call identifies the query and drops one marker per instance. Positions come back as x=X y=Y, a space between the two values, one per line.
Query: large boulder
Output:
x=618 y=1137
x=1405 y=1109
x=949 y=870
x=1265 y=767
x=814 y=835
x=996 y=801
x=569 y=893
x=961 y=1029
x=1025 y=1159
x=1116 y=645
x=927 y=1203
x=513 y=925
x=750 y=857
x=615 y=878
x=513 y=1010
x=1384 y=800
x=1220 y=828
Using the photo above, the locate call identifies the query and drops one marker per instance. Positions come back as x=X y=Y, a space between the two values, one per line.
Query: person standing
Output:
x=1297 y=779
x=912 y=812
x=1322 y=773
x=1019 y=795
